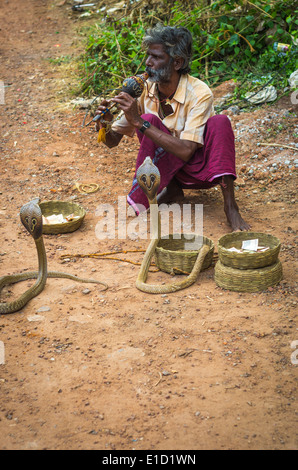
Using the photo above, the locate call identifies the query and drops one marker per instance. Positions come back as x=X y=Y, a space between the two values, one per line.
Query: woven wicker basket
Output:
x=248 y=260
x=247 y=280
x=66 y=209
x=173 y=255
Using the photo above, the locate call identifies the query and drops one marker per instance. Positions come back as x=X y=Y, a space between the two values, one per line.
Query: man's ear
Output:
x=178 y=63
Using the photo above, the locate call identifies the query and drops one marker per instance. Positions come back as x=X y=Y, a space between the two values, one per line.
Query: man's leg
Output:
x=211 y=165
x=230 y=205
x=214 y=164
x=168 y=165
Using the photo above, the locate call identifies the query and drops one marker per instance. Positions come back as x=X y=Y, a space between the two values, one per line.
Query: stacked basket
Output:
x=247 y=271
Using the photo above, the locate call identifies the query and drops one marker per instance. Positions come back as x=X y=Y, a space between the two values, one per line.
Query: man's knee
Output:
x=219 y=120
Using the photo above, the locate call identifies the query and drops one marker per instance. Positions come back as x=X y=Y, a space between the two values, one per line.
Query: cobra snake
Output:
x=148 y=177
x=31 y=218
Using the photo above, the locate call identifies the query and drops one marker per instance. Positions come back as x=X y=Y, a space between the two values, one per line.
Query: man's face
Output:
x=159 y=65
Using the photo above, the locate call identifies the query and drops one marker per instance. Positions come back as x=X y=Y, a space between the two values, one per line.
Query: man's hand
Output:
x=107 y=116
x=129 y=106
x=183 y=149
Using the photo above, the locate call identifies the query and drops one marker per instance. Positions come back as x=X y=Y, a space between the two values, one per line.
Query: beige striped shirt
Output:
x=192 y=105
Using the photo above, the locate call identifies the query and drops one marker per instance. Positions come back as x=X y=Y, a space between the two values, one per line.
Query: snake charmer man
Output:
x=176 y=125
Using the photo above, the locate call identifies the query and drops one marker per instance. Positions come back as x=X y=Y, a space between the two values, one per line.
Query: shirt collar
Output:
x=180 y=91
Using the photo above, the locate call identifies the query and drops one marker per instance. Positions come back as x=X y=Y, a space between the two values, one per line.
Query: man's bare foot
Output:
x=235 y=220
x=230 y=206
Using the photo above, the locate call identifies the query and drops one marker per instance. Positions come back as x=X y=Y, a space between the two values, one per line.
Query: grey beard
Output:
x=160 y=76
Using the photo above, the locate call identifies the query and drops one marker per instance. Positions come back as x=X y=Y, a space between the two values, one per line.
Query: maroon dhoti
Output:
x=205 y=168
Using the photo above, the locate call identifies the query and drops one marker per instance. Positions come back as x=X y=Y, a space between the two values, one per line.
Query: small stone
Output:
x=86 y=291
x=240 y=182
x=234 y=109
x=45 y=308
x=35 y=318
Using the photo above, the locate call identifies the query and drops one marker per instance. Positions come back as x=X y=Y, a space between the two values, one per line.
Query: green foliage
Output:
x=232 y=40
x=112 y=52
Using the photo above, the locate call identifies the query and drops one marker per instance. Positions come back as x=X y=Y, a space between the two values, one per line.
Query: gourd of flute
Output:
x=134 y=86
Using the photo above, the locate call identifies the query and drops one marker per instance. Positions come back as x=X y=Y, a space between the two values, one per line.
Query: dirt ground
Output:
x=202 y=368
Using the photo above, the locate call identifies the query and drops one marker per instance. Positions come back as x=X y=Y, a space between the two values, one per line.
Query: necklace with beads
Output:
x=167 y=99
x=165 y=104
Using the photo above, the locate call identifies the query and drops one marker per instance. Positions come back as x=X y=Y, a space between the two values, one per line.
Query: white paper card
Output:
x=250 y=245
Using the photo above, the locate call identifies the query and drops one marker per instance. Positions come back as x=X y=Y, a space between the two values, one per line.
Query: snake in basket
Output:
x=148 y=177
x=31 y=218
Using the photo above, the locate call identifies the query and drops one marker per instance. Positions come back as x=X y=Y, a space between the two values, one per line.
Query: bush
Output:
x=112 y=52
x=232 y=39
